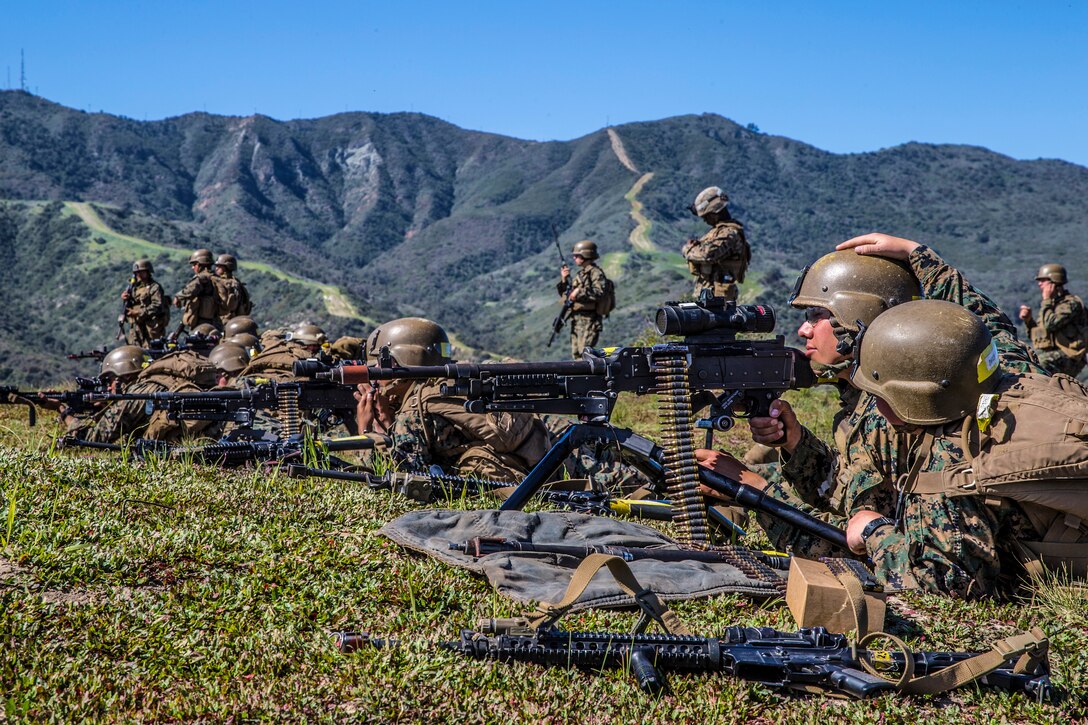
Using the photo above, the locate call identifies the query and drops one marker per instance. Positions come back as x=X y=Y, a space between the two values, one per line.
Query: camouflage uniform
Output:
x=199 y=301
x=233 y=297
x=1059 y=333
x=422 y=438
x=588 y=286
x=276 y=362
x=719 y=259
x=871 y=455
x=128 y=419
x=148 y=313
x=599 y=462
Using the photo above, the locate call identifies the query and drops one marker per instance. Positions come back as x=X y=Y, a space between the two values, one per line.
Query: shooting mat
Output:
x=535 y=577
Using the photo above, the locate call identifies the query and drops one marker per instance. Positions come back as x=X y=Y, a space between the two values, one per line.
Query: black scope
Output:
x=693 y=318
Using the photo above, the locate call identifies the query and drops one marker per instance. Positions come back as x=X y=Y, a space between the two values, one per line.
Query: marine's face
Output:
x=820 y=341
x=579 y=260
x=1046 y=287
x=143 y=275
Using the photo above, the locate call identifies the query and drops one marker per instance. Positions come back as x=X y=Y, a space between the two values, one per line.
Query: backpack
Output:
x=227 y=297
x=606 y=302
x=1028 y=442
x=181 y=370
x=1075 y=344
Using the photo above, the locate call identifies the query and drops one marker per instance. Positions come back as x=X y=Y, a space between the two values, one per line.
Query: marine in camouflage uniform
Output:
x=586 y=289
x=198 y=298
x=1059 y=334
x=719 y=258
x=861 y=471
x=956 y=545
x=234 y=299
x=147 y=307
x=429 y=428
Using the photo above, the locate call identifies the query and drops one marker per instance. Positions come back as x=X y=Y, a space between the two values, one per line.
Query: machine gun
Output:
x=685 y=375
x=561 y=318
x=811 y=657
x=155 y=348
x=236 y=453
x=78 y=401
x=285 y=399
x=96 y=354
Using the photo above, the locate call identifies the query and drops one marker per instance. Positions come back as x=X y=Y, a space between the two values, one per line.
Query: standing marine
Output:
x=719 y=258
x=1058 y=336
x=591 y=297
x=198 y=299
x=234 y=300
x=146 y=306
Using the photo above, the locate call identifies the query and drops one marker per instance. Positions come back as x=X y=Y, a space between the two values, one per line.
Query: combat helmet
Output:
x=411 y=341
x=206 y=330
x=307 y=334
x=123 y=360
x=586 y=249
x=1053 y=272
x=929 y=360
x=142 y=265
x=711 y=200
x=240 y=324
x=228 y=261
x=855 y=286
x=202 y=257
x=246 y=339
x=228 y=357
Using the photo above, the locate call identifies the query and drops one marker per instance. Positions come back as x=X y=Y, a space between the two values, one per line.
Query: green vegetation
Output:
x=158 y=592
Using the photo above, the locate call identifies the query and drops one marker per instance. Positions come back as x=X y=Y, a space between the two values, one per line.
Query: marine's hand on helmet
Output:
x=881 y=245
x=780 y=429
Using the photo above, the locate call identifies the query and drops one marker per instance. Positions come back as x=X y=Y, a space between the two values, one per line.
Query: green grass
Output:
x=152 y=592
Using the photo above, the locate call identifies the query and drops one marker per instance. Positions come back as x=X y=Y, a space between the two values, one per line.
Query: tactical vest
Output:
x=178 y=372
x=722 y=249
x=1028 y=442
x=1070 y=339
x=516 y=441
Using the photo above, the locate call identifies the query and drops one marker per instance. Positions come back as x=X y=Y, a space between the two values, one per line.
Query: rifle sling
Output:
x=652 y=607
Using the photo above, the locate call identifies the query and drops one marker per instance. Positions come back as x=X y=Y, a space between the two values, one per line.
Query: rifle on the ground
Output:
x=126 y=302
x=561 y=318
x=335 y=402
x=811 y=657
x=235 y=453
x=78 y=401
x=685 y=375
x=483 y=545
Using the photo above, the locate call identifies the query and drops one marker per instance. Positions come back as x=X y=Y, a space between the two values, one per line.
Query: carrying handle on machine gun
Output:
x=11 y=396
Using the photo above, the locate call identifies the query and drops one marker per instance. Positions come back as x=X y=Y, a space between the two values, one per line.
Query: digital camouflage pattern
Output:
x=1058 y=335
x=148 y=313
x=599 y=462
x=588 y=286
x=719 y=259
x=870 y=456
x=199 y=301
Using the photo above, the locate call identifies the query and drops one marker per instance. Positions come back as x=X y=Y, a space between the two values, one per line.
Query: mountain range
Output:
x=356 y=218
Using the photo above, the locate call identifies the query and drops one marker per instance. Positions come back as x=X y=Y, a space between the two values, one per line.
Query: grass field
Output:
x=159 y=592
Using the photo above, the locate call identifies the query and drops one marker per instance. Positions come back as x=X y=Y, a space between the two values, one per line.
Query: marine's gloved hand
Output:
x=881 y=245
x=780 y=429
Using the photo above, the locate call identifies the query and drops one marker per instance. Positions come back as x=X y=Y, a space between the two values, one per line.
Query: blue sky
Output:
x=843 y=76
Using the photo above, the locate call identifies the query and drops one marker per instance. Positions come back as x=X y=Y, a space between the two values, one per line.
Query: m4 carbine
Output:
x=236 y=453
x=808 y=658
x=285 y=399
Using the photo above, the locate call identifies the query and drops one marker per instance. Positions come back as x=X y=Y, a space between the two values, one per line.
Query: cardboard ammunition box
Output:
x=817 y=598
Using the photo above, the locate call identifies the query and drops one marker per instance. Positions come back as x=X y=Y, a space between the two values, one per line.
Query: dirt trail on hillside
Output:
x=620 y=151
x=640 y=235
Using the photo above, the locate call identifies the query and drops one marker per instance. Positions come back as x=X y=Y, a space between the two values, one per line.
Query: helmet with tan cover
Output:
x=143 y=265
x=245 y=339
x=206 y=330
x=122 y=361
x=929 y=360
x=240 y=324
x=586 y=249
x=228 y=261
x=1053 y=272
x=228 y=357
x=411 y=341
x=202 y=257
x=308 y=334
x=711 y=200
x=855 y=286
